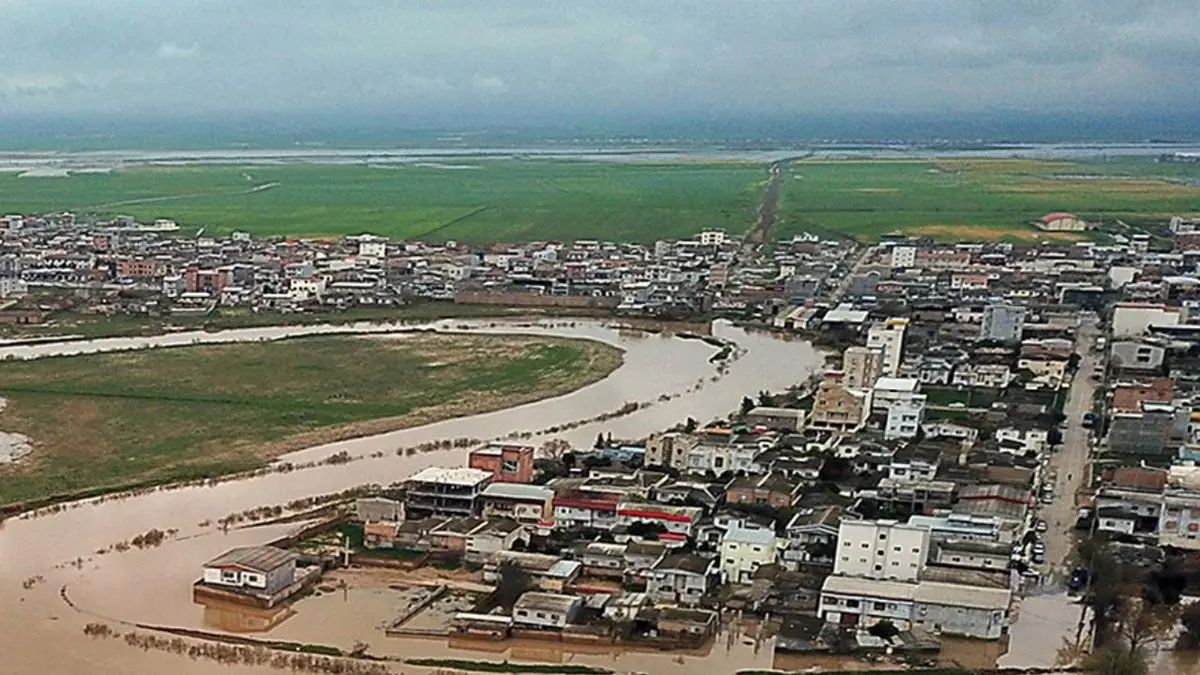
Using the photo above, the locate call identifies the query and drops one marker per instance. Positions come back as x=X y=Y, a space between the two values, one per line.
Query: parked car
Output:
x=1078 y=580
x=1041 y=526
x=1039 y=558
x=1047 y=497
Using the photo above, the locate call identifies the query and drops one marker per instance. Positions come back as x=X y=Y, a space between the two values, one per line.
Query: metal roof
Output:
x=257 y=558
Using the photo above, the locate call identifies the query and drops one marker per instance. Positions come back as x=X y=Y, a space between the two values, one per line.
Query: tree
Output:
x=690 y=425
x=884 y=630
x=766 y=399
x=554 y=448
x=599 y=444
x=1116 y=660
x=1189 y=618
x=511 y=586
x=747 y=405
x=834 y=469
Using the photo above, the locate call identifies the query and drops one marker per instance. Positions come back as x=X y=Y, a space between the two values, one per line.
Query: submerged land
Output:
x=489 y=199
x=153 y=416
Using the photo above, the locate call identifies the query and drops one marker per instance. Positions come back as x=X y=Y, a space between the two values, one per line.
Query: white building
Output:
x=890 y=391
x=712 y=237
x=881 y=549
x=1002 y=322
x=888 y=337
x=903 y=256
x=262 y=570
x=744 y=551
x=904 y=419
x=854 y=602
x=1131 y=319
x=546 y=610
x=304 y=288
x=372 y=249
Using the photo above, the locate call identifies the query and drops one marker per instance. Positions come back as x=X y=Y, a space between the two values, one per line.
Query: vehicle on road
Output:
x=1041 y=526
x=1039 y=558
x=1089 y=419
x=1047 y=497
x=1078 y=580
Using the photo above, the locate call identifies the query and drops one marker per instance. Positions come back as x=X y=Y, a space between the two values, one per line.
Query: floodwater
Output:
x=70 y=585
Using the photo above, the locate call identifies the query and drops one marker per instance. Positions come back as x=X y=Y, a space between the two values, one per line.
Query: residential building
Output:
x=507 y=463
x=581 y=508
x=678 y=522
x=837 y=408
x=888 y=338
x=547 y=572
x=771 y=489
x=889 y=391
x=776 y=419
x=744 y=551
x=1145 y=432
x=861 y=366
x=812 y=535
x=904 y=419
x=962 y=610
x=378 y=509
x=259 y=570
x=881 y=549
x=1135 y=356
x=1002 y=322
x=854 y=602
x=682 y=578
x=1179 y=522
x=670 y=449
x=982 y=375
x=495 y=535
x=546 y=610
x=522 y=503
x=1132 y=319
x=983 y=555
x=443 y=491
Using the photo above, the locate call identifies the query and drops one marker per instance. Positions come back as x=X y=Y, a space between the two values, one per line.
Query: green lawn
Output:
x=957 y=200
x=497 y=200
x=110 y=420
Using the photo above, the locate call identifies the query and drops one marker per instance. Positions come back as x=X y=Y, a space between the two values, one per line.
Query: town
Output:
x=997 y=424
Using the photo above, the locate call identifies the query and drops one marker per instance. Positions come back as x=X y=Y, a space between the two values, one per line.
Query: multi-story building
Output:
x=888 y=338
x=1131 y=319
x=889 y=391
x=1002 y=322
x=1144 y=432
x=838 y=408
x=743 y=552
x=771 y=489
x=881 y=549
x=507 y=463
x=904 y=419
x=670 y=449
x=682 y=578
x=439 y=491
x=861 y=366
x=522 y=503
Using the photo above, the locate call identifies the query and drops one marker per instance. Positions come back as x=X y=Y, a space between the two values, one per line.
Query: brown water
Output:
x=40 y=633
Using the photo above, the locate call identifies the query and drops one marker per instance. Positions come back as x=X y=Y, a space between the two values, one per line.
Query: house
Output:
x=546 y=610
x=778 y=419
x=522 y=503
x=380 y=535
x=575 y=508
x=676 y=622
x=853 y=602
x=507 y=463
x=812 y=535
x=378 y=509
x=904 y=418
x=678 y=522
x=1018 y=441
x=260 y=570
x=1135 y=356
x=496 y=535
x=445 y=492
x=889 y=391
x=452 y=534
x=962 y=610
x=1116 y=519
x=681 y=578
x=772 y=489
x=602 y=559
x=1051 y=372
x=670 y=449
x=744 y=551
x=982 y=375
x=547 y=572
x=914 y=462
x=917 y=496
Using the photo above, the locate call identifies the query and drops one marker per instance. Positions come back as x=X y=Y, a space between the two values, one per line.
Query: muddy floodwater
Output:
x=52 y=581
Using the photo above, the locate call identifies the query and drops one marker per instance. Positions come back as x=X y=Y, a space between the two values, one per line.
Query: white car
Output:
x=1041 y=526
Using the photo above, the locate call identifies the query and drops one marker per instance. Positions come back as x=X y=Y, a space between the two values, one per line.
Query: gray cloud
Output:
x=482 y=57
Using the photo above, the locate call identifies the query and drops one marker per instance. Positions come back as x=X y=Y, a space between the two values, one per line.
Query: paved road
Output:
x=1072 y=461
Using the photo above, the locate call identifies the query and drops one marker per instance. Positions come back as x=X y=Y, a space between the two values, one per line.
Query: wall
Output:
x=964 y=621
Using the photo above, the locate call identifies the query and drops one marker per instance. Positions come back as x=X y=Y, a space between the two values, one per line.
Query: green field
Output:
x=111 y=420
x=497 y=200
x=968 y=200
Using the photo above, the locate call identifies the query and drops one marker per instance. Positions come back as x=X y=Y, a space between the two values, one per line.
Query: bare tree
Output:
x=554 y=448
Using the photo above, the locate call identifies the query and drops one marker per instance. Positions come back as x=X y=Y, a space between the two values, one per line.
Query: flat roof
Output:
x=451 y=476
x=961 y=595
x=552 y=602
x=873 y=588
x=745 y=536
x=518 y=491
x=897 y=383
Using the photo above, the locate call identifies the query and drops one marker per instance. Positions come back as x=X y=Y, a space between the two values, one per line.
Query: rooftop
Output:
x=738 y=535
x=452 y=476
x=547 y=602
x=873 y=588
x=257 y=558
x=518 y=491
x=960 y=595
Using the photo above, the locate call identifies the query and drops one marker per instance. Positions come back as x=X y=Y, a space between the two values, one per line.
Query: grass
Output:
x=497 y=200
x=508 y=667
x=956 y=200
x=109 y=421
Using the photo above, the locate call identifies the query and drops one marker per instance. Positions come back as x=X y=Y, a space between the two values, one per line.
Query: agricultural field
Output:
x=977 y=200
x=476 y=199
x=106 y=421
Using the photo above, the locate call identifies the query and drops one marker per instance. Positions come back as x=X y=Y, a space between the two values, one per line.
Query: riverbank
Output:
x=109 y=422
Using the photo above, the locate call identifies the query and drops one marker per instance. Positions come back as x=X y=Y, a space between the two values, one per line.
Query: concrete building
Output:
x=957 y=609
x=262 y=570
x=1134 y=356
x=888 y=338
x=1144 y=432
x=904 y=419
x=889 y=391
x=1179 y=519
x=881 y=549
x=522 y=503
x=508 y=463
x=670 y=449
x=1131 y=319
x=983 y=555
x=744 y=551
x=776 y=419
x=861 y=366
x=439 y=491
x=837 y=408
x=546 y=610
x=1002 y=322
x=682 y=578
x=853 y=602
x=903 y=256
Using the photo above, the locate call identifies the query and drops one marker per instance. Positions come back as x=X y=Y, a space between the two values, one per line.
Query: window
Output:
x=882 y=536
x=955 y=559
x=522 y=612
x=845 y=558
x=916 y=550
x=510 y=466
x=895 y=563
x=879 y=607
x=852 y=604
x=862 y=561
x=541 y=615
x=879 y=568
x=758 y=549
x=729 y=561
x=866 y=545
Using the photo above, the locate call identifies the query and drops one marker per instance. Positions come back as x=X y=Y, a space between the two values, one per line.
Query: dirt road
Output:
x=1072 y=463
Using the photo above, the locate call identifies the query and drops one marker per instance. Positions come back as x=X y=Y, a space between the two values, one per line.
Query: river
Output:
x=40 y=633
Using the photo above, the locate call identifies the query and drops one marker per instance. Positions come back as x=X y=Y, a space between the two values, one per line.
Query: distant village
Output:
x=985 y=406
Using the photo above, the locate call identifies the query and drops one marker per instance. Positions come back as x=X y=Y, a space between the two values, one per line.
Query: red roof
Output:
x=655 y=515
x=1056 y=216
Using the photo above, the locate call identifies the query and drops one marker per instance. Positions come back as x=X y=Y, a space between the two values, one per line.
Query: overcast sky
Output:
x=574 y=58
